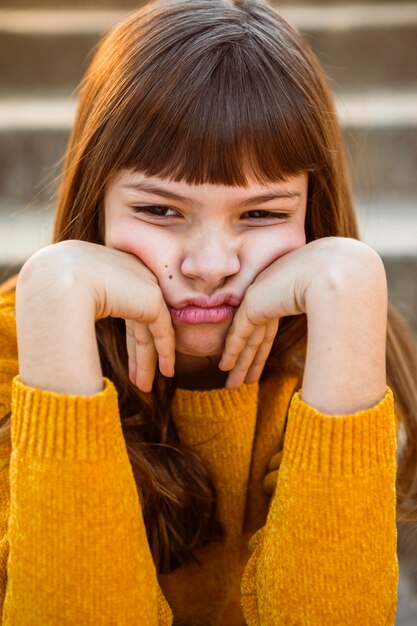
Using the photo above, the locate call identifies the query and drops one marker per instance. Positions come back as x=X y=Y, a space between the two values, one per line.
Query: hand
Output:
x=276 y=292
x=62 y=290
x=137 y=297
x=293 y=284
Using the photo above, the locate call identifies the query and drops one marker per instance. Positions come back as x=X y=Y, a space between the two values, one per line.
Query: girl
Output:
x=182 y=450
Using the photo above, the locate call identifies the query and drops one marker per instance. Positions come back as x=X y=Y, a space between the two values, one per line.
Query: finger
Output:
x=258 y=364
x=238 y=374
x=131 y=350
x=239 y=332
x=164 y=339
x=146 y=356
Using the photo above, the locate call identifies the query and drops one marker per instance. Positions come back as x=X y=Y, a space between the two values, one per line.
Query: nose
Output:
x=211 y=258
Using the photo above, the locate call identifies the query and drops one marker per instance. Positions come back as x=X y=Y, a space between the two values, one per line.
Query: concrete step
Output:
x=380 y=130
x=407 y=584
x=132 y=4
x=359 y=45
x=407 y=593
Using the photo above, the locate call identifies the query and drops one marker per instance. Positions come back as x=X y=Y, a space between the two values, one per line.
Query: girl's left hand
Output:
x=291 y=285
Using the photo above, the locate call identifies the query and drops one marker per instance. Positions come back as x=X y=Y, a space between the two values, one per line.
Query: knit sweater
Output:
x=308 y=514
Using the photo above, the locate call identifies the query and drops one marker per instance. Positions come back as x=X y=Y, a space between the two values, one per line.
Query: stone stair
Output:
x=368 y=51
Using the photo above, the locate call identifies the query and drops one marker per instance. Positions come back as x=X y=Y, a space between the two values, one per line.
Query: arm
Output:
x=328 y=550
x=346 y=307
x=62 y=290
x=78 y=546
x=340 y=284
x=327 y=553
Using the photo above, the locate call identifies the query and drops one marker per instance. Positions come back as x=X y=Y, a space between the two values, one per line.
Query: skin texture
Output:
x=206 y=244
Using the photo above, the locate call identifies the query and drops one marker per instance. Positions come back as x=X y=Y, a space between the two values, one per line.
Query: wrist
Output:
x=346 y=307
x=344 y=270
x=55 y=330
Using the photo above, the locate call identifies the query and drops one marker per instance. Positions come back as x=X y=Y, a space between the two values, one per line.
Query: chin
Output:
x=201 y=340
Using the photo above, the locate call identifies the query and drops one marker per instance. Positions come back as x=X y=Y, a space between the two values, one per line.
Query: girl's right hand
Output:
x=62 y=290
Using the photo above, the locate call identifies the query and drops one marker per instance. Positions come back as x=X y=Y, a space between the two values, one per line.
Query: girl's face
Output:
x=205 y=244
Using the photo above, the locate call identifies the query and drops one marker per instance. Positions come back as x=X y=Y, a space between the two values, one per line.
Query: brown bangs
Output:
x=214 y=108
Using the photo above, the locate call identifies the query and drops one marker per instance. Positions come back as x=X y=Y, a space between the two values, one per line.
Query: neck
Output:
x=198 y=372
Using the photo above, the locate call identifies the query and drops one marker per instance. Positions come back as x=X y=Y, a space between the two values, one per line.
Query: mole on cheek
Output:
x=170 y=276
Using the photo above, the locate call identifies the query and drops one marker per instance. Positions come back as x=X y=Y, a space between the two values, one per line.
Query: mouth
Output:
x=203 y=315
x=203 y=309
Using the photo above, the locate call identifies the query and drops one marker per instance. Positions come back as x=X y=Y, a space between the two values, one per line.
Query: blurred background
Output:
x=369 y=52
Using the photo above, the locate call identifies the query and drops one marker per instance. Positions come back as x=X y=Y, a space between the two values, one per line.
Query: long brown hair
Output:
x=210 y=91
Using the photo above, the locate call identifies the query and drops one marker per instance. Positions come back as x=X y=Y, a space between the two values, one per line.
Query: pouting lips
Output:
x=203 y=315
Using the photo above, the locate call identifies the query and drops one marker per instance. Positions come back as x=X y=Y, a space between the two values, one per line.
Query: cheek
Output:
x=274 y=243
x=154 y=249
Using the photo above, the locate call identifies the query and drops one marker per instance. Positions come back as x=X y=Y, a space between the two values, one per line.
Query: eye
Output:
x=264 y=215
x=156 y=211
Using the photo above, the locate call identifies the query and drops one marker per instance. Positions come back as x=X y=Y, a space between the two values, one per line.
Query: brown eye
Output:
x=259 y=214
x=266 y=215
x=155 y=211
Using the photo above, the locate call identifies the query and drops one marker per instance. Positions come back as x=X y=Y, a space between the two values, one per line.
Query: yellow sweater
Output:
x=320 y=514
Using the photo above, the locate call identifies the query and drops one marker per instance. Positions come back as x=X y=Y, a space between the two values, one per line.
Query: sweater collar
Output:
x=214 y=405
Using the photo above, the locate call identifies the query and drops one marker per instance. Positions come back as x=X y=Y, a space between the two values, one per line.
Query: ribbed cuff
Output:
x=48 y=424
x=341 y=445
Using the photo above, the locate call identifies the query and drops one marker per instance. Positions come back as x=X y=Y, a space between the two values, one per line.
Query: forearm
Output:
x=56 y=334
x=327 y=554
x=78 y=546
x=345 y=363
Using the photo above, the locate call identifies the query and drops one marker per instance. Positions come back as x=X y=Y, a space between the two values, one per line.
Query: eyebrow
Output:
x=170 y=195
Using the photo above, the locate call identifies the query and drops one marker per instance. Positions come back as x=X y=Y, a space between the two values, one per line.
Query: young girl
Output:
x=184 y=450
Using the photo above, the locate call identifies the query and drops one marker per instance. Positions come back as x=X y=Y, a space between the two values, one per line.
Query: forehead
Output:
x=129 y=180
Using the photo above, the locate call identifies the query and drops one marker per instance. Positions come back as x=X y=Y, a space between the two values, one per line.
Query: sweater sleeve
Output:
x=327 y=553
x=78 y=551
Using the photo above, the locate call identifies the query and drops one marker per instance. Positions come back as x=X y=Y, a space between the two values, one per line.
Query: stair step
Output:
x=359 y=45
x=133 y=4
x=34 y=133
x=309 y=18
x=23 y=230
x=60 y=21
x=43 y=113
x=357 y=109
x=389 y=227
